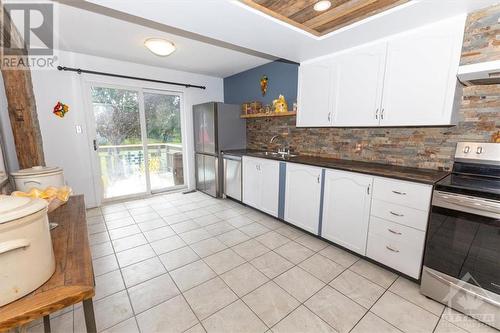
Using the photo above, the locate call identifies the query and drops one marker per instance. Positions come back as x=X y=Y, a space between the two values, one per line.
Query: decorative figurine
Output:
x=495 y=137
x=263 y=84
x=60 y=109
x=280 y=104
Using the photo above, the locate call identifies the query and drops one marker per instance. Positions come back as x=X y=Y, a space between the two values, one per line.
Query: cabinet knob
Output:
x=382 y=114
x=329 y=116
x=479 y=150
x=466 y=149
x=376 y=114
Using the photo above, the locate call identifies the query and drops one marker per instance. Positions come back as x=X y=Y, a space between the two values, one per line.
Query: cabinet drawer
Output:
x=403 y=193
x=397 y=232
x=411 y=217
x=405 y=258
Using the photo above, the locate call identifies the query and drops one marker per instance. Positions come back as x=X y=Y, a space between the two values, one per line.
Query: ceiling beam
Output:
x=21 y=102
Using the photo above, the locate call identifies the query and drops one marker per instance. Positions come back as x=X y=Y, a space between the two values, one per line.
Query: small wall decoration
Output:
x=60 y=109
x=263 y=84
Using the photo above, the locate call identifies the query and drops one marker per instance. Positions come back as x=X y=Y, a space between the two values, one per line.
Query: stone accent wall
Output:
x=482 y=36
x=423 y=147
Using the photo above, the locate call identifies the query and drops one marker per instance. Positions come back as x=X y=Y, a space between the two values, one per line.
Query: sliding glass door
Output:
x=164 y=137
x=138 y=140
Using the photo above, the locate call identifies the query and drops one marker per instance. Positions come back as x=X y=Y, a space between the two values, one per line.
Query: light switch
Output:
x=78 y=129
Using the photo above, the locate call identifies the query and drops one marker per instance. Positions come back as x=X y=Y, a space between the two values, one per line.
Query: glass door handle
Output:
x=95 y=145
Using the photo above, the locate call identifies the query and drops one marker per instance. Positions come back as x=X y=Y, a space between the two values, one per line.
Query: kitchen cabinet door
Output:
x=314 y=94
x=251 y=181
x=358 y=78
x=269 y=188
x=303 y=196
x=420 y=77
x=346 y=209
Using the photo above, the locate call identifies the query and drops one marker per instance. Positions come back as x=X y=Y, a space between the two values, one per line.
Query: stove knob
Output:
x=479 y=150
x=466 y=149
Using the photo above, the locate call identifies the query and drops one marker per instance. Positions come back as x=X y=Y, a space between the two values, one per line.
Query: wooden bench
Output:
x=73 y=280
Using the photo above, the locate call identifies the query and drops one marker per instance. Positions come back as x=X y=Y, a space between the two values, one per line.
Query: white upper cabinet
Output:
x=346 y=209
x=358 y=77
x=314 y=94
x=408 y=79
x=303 y=196
x=420 y=75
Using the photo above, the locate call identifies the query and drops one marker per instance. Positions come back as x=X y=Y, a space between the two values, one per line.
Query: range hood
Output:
x=481 y=73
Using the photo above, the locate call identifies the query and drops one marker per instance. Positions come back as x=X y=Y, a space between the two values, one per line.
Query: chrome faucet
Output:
x=275 y=137
x=284 y=148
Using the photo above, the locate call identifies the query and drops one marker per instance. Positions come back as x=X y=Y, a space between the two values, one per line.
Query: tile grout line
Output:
x=248 y=261
x=303 y=303
x=125 y=286
x=369 y=309
x=220 y=277
x=181 y=293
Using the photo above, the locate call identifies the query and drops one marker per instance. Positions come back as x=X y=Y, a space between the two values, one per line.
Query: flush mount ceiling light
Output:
x=322 y=5
x=160 y=47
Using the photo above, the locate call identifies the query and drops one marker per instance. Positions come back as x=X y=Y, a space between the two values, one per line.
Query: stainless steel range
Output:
x=462 y=253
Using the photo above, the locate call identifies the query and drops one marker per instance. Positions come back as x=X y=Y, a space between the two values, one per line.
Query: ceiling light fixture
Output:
x=159 y=46
x=322 y=5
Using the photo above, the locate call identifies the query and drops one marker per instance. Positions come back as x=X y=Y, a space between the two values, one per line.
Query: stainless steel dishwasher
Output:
x=232 y=176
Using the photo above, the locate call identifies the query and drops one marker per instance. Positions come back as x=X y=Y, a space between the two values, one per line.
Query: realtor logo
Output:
x=28 y=35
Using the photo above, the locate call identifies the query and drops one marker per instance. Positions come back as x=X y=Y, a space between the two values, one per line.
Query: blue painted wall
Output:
x=245 y=86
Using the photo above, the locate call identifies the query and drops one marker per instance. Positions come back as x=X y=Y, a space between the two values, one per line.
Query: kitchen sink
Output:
x=275 y=154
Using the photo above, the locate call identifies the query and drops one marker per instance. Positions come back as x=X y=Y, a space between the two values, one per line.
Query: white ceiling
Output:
x=96 y=34
x=232 y=22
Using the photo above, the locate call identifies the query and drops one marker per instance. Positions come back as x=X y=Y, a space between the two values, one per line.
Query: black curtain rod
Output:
x=80 y=71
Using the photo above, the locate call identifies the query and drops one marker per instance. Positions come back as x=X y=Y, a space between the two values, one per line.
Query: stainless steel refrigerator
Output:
x=217 y=127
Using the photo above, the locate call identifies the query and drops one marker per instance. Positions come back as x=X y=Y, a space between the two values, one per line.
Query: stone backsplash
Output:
x=423 y=147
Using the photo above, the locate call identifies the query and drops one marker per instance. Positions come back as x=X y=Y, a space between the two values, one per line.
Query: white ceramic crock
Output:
x=39 y=177
x=26 y=254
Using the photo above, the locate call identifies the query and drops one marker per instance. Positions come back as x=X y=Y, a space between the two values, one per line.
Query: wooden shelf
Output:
x=273 y=114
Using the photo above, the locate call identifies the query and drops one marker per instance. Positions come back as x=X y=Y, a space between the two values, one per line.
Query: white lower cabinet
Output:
x=396 y=246
x=398 y=222
x=251 y=186
x=270 y=188
x=346 y=209
x=389 y=228
x=303 y=196
x=261 y=184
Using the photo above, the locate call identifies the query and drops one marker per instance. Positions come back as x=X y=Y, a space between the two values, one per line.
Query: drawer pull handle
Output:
x=400 y=193
x=396 y=214
x=394 y=232
x=391 y=249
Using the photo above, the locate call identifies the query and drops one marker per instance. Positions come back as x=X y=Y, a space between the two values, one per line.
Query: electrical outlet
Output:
x=78 y=129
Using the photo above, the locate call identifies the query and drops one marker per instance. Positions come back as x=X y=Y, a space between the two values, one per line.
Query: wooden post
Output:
x=21 y=103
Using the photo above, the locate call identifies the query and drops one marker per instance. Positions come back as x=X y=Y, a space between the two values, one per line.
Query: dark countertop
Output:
x=425 y=176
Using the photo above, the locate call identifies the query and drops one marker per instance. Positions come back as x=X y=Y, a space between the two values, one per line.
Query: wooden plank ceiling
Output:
x=301 y=13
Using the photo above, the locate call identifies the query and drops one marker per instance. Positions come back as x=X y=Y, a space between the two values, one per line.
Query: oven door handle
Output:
x=453 y=285
x=478 y=206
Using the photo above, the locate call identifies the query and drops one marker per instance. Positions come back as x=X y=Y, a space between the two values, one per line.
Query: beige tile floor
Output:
x=191 y=263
